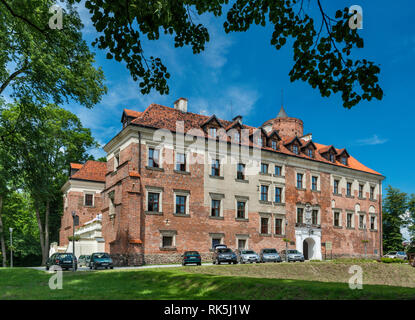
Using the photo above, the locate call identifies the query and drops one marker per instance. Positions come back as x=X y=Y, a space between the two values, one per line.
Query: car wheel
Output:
x=199 y=264
x=111 y=267
x=95 y=267
x=218 y=262
x=47 y=268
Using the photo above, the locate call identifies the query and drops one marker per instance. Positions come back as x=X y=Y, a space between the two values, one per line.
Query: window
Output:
x=181 y=204
x=212 y=132
x=215 y=168
x=299 y=180
x=240 y=209
x=264 y=168
x=344 y=161
x=241 y=244
x=300 y=215
x=153 y=158
x=89 y=200
x=167 y=241
x=349 y=189
x=372 y=192
x=337 y=219
x=349 y=220
x=116 y=161
x=360 y=190
x=240 y=171
x=215 y=241
x=361 y=221
x=264 y=193
x=372 y=223
x=314 y=217
x=278 y=226
x=153 y=202
x=278 y=170
x=260 y=142
x=331 y=157
x=274 y=144
x=336 y=187
x=237 y=137
x=215 y=208
x=278 y=192
x=181 y=162
x=295 y=148
x=264 y=225
x=310 y=153
x=314 y=183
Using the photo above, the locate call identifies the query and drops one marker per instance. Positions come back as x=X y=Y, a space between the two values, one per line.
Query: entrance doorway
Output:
x=308 y=248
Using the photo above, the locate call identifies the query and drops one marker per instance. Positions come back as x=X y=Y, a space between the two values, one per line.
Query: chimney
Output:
x=181 y=104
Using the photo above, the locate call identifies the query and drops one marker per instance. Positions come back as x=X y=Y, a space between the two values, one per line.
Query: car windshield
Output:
x=292 y=251
x=248 y=252
x=392 y=252
x=401 y=252
x=101 y=255
x=191 y=252
x=227 y=250
x=270 y=251
x=65 y=256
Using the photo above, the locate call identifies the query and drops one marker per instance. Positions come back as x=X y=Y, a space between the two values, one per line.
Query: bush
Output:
x=392 y=260
x=353 y=260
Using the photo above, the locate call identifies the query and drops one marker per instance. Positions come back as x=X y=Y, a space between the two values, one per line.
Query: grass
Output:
x=189 y=283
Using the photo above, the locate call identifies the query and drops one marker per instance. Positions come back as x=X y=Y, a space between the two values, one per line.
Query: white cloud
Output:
x=374 y=140
x=227 y=104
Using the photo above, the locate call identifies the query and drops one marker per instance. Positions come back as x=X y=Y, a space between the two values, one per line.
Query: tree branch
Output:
x=11 y=78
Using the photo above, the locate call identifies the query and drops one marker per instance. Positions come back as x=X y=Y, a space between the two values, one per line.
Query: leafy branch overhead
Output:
x=322 y=47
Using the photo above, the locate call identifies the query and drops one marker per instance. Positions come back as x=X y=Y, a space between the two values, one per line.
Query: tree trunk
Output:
x=41 y=236
x=47 y=230
x=3 y=244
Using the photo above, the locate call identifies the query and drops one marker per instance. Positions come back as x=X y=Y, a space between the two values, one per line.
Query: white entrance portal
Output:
x=308 y=242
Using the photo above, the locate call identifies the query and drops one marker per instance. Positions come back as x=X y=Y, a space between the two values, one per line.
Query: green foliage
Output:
x=321 y=50
x=48 y=64
x=411 y=219
x=392 y=260
x=394 y=206
x=77 y=238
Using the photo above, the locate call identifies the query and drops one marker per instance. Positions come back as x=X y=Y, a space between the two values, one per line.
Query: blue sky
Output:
x=241 y=73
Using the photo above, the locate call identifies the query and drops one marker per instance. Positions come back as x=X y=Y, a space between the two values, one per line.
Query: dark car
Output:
x=190 y=257
x=63 y=260
x=222 y=254
x=100 y=260
x=269 y=255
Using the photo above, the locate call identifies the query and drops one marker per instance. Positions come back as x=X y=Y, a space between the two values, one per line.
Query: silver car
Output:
x=269 y=255
x=292 y=255
x=247 y=256
x=396 y=255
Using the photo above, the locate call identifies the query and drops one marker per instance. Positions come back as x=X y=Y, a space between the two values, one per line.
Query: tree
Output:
x=411 y=218
x=47 y=64
x=394 y=207
x=44 y=144
x=321 y=50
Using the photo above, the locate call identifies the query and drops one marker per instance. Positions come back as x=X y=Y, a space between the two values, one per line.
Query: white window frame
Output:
x=214 y=196
x=159 y=148
x=269 y=217
x=241 y=199
x=168 y=233
x=185 y=194
x=93 y=198
x=340 y=218
x=150 y=189
x=186 y=166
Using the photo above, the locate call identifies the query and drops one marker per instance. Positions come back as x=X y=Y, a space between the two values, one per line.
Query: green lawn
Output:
x=177 y=283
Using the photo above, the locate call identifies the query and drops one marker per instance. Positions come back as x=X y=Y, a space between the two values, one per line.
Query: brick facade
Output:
x=134 y=235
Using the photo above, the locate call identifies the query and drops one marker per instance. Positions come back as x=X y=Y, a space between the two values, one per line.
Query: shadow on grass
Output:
x=176 y=284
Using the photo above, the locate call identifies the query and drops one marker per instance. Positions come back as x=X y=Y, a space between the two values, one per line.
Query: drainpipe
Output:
x=139 y=152
x=380 y=222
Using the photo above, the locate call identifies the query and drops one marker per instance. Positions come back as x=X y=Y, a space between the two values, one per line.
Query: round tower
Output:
x=286 y=126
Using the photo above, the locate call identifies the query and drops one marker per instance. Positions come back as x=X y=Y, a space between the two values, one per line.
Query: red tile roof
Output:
x=91 y=170
x=162 y=117
x=76 y=165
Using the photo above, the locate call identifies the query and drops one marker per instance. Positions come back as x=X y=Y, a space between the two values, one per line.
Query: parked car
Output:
x=100 y=260
x=191 y=257
x=245 y=256
x=63 y=260
x=83 y=260
x=292 y=255
x=396 y=255
x=269 y=255
x=224 y=254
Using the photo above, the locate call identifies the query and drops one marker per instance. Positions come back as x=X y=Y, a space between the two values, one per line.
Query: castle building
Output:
x=176 y=181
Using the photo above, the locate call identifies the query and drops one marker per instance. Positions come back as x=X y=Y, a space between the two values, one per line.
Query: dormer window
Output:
x=295 y=149
x=331 y=157
x=344 y=160
x=310 y=153
x=237 y=137
x=274 y=144
x=212 y=132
